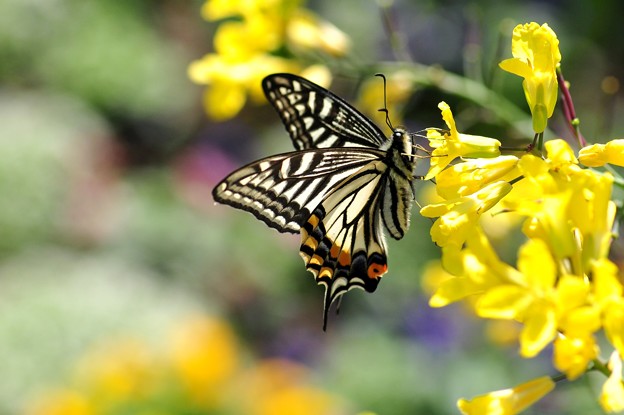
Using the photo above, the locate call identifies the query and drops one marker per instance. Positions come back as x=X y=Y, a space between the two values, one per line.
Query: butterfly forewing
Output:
x=316 y=118
x=283 y=190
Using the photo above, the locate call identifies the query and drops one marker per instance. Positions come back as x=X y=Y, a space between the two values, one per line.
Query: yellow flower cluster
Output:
x=202 y=372
x=255 y=38
x=564 y=289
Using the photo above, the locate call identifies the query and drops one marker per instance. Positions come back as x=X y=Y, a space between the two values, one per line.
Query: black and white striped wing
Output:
x=283 y=190
x=316 y=118
x=342 y=242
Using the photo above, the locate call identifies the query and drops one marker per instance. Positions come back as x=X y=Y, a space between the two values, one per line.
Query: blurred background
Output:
x=125 y=290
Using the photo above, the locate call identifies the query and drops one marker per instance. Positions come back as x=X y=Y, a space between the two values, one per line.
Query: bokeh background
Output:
x=125 y=290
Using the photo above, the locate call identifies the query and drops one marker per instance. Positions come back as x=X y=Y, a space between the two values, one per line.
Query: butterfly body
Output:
x=345 y=183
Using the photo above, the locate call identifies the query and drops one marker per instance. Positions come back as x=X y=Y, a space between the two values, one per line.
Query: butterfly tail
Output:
x=330 y=261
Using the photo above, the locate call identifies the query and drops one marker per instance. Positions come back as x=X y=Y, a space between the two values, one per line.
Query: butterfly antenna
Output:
x=385 y=108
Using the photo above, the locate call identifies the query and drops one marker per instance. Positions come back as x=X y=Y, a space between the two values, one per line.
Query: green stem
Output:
x=559 y=378
x=601 y=367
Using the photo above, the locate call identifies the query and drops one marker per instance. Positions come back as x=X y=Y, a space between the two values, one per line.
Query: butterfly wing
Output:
x=316 y=118
x=283 y=190
x=342 y=243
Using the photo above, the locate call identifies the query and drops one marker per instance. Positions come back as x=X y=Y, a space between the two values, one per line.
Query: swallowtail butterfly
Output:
x=345 y=183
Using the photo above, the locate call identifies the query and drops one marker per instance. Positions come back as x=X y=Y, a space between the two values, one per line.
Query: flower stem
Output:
x=559 y=378
x=568 y=109
x=599 y=366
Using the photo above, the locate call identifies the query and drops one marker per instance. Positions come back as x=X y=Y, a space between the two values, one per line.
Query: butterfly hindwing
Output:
x=316 y=118
x=283 y=190
x=342 y=242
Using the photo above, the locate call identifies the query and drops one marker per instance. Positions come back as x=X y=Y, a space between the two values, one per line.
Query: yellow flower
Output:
x=455 y=286
x=536 y=56
x=508 y=401
x=242 y=40
x=452 y=144
x=597 y=155
x=560 y=158
x=280 y=387
x=221 y=9
x=530 y=301
x=614 y=323
x=118 y=371
x=545 y=210
x=475 y=269
x=572 y=355
x=230 y=81
x=62 y=402
x=592 y=212
x=612 y=396
x=306 y=30
x=249 y=45
x=458 y=217
x=565 y=205
x=205 y=356
x=468 y=177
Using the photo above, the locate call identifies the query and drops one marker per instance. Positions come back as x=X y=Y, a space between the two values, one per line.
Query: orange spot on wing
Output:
x=376 y=270
x=344 y=258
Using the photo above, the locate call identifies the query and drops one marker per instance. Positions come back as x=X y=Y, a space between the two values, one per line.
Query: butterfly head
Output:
x=403 y=145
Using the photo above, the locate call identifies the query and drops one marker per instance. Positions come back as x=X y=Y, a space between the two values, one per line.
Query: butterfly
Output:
x=343 y=186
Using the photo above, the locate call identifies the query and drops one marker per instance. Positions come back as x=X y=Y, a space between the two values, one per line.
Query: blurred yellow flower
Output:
x=613 y=321
x=452 y=144
x=205 y=356
x=612 y=396
x=503 y=332
x=118 y=370
x=306 y=30
x=597 y=155
x=61 y=402
x=200 y=373
x=260 y=40
x=508 y=401
x=231 y=80
x=281 y=387
x=536 y=56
